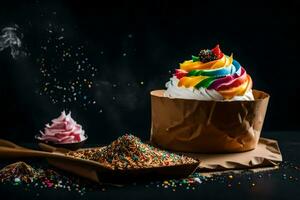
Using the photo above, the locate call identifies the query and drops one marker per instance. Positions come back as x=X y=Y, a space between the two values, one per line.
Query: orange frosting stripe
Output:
x=237 y=91
x=191 y=81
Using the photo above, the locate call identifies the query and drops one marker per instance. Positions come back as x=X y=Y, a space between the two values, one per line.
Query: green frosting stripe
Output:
x=206 y=82
x=195 y=58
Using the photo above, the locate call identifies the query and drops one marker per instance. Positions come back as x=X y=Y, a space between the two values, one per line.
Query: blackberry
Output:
x=207 y=55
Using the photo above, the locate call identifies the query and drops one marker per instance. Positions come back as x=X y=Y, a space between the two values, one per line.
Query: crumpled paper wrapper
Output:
x=266 y=154
x=207 y=126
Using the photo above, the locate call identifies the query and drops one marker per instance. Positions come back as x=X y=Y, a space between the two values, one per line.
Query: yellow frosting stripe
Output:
x=229 y=60
x=220 y=63
x=191 y=81
x=223 y=62
x=190 y=65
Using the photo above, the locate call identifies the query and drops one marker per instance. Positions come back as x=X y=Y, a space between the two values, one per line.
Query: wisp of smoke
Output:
x=10 y=38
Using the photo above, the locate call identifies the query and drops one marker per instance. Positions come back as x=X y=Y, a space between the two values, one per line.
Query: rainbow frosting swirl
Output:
x=213 y=74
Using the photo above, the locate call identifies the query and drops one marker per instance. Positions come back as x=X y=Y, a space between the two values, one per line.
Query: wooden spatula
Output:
x=93 y=170
x=85 y=168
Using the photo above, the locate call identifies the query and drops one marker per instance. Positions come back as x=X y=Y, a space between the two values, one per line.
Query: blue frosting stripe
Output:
x=237 y=66
x=219 y=72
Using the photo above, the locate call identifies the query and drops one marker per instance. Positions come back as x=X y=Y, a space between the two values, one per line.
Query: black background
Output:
x=263 y=36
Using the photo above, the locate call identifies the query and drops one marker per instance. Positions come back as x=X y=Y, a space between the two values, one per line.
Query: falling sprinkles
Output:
x=67 y=75
x=71 y=73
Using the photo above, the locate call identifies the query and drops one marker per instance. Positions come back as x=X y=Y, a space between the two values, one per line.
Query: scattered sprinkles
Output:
x=129 y=152
x=23 y=175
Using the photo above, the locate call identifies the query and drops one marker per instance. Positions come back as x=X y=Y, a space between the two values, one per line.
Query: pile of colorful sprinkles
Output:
x=22 y=174
x=18 y=172
x=129 y=152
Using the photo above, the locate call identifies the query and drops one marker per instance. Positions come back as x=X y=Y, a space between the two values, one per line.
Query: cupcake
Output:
x=209 y=106
x=64 y=132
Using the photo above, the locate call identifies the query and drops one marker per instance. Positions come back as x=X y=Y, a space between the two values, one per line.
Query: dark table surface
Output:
x=282 y=183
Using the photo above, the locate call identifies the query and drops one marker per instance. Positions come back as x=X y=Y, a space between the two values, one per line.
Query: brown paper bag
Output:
x=207 y=126
x=266 y=154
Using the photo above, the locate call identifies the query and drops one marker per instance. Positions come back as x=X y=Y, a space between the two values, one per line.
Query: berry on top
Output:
x=217 y=51
x=206 y=55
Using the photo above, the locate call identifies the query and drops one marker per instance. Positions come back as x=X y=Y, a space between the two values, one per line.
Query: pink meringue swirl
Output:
x=63 y=130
